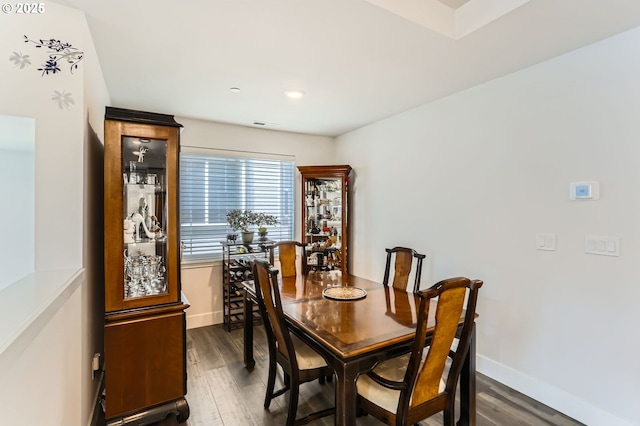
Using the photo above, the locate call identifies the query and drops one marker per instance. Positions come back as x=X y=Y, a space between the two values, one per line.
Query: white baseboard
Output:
x=203 y=320
x=555 y=398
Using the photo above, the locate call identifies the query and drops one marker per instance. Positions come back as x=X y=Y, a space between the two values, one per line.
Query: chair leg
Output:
x=293 y=405
x=448 y=417
x=271 y=382
x=449 y=412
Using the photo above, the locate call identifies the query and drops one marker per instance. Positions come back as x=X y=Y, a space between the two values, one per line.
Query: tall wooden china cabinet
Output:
x=325 y=228
x=144 y=332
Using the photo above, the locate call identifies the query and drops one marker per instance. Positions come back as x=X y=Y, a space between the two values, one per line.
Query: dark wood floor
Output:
x=222 y=392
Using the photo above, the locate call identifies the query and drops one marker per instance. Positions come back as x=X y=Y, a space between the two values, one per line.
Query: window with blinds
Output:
x=211 y=185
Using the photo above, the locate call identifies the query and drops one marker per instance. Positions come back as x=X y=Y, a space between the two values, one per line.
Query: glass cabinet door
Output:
x=144 y=224
x=141 y=215
x=324 y=216
x=323 y=203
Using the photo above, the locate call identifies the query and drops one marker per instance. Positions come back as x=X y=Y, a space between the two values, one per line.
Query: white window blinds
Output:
x=211 y=185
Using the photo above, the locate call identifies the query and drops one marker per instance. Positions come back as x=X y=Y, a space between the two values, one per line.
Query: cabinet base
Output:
x=178 y=408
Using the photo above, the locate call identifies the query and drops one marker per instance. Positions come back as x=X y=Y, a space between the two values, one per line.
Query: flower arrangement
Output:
x=239 y=220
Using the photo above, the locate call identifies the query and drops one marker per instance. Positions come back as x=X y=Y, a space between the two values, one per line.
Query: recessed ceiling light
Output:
x=294 y=93
x=235 y=90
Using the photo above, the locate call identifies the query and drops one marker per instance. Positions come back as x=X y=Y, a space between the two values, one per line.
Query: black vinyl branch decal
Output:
x=58 y=52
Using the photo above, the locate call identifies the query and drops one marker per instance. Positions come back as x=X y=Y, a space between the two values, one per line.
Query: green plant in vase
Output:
x=240 y=220
x=263 y=220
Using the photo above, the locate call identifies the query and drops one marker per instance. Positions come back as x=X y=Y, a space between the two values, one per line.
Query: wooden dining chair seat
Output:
x=288 y=252
x=299 y=362
x=409 y=388
x=402 y=268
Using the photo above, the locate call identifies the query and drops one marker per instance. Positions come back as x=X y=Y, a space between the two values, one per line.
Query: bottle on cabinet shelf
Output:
x=235 y=290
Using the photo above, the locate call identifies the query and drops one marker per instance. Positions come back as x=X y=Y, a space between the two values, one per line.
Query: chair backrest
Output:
x=423 y=378
x=287 y=253
x=268 y=296
x=402 y=268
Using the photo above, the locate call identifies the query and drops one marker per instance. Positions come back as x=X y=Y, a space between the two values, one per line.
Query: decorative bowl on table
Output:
x=344 y=293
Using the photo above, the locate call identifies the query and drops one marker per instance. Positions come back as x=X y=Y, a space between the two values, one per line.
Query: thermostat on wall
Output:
x=584 y=191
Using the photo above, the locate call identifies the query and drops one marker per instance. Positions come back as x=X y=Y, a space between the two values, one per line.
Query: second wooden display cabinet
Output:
x=325 y=228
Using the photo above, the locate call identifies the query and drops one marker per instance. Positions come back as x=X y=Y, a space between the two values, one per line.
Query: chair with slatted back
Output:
x=402 y=268
x=409 y=388
x=287 y=255
x=299 y=362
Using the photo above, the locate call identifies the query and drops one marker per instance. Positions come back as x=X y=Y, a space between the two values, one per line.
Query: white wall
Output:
x=482 y=172
x=48 y=361
x=40 y=375
x=202 y=283
x=27 y=93
x=96 y=97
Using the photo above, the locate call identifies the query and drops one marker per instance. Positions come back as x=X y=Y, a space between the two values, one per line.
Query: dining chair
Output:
x=287 y=254
x=402 y=267
x=409 y=388
x=299 y=362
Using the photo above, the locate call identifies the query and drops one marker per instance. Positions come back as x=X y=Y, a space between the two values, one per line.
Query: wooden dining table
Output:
x=353 y=335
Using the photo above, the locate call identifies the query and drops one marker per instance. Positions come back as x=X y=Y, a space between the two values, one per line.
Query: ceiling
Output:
x=358 y=62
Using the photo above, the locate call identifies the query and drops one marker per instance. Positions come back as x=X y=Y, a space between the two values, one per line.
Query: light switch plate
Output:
x=546 y=242
x=602 y=245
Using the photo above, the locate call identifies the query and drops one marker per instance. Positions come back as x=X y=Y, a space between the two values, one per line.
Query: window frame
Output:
x=263 y=179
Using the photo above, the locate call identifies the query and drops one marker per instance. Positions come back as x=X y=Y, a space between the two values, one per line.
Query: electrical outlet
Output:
x=95 y=365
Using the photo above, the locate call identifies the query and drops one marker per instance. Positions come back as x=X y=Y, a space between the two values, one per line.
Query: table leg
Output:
x=468 y=385
x=346 y=394
x=249 y=362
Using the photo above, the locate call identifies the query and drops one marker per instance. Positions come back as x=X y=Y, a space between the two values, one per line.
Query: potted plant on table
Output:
x=240 y=220
x=262 y=221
